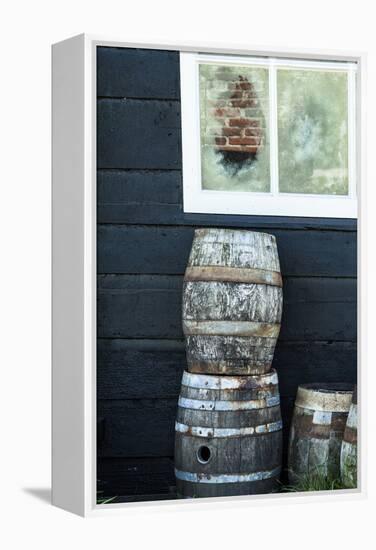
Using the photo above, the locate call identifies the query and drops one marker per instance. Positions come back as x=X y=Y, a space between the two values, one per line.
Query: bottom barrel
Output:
x=317 y=429
x=228 y=438
x=349 y=449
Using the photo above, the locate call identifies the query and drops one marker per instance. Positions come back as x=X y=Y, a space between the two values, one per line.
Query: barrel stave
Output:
x=349 y=448
x=229 y=419
x=229 y=455
x=186 y=489
x=232 y=302
x=234 y=248
x=317 y=430
x=262 y=392
x=229 y=354
x=217 y=301
x=243 y=439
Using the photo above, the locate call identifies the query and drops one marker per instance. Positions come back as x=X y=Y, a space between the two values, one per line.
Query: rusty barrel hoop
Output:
x=228 y=438
x=232 y=302
x=317 y=429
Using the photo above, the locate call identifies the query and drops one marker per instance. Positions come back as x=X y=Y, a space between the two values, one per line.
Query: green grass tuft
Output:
x=313 y=481
x=103 y=499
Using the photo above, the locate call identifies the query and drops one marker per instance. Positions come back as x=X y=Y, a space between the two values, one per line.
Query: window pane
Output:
x=312 y=131
x=234 y=128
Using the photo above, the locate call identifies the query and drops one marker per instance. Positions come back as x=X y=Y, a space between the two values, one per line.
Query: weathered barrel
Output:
x=228 y=438
x=349 y=448
x=317 y=429
x=232 y=302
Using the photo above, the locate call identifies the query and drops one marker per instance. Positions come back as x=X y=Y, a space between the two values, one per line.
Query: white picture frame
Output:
x=74 y=271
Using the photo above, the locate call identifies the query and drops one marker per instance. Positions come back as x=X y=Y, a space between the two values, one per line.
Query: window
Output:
x=268 y=136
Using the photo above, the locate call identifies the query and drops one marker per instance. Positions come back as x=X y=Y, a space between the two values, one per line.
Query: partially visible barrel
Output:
x=232 y=302
x=317 y=429
x=228 y=438
x=349 y=448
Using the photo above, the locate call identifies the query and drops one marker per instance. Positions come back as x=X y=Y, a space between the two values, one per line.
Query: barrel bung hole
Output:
x=203 y=454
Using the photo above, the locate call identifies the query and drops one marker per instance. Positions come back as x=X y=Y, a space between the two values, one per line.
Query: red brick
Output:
x=243 y=103
x=243 y=122
x=220 y=141
x=232 y=131
x=243 y=141
x=226 y=112
x=236 y=95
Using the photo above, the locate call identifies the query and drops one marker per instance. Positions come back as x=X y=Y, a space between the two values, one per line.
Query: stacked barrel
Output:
x=228 y=438
x=317 y=430
x=349 y=447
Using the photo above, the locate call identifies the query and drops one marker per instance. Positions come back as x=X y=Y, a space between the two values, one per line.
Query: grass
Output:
x=314 y=481
x=104 y=500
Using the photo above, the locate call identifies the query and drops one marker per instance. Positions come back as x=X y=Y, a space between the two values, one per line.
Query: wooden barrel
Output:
x=317 y=429
x=232 y=302
x=228 y=438
x=349 y=448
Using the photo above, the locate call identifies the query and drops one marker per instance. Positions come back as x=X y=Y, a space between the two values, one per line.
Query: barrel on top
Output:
x=349 y=448
x=317 y=429
x=232 y=302
x=228 y=438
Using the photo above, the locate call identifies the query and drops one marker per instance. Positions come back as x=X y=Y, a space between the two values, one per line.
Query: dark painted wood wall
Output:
x=144 y=239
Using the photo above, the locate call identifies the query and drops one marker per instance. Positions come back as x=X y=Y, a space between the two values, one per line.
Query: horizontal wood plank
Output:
x=146 y=428
x=138 y=73
x=138 y=134
x=135 y=369
x=135 y=476
x=165 y=250
x=137 y=188
x=154 y=197
x=150 y=307
x=152 y=369
x=137 y=428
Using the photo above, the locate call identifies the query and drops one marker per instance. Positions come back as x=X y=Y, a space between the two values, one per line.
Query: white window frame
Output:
x=272 y=203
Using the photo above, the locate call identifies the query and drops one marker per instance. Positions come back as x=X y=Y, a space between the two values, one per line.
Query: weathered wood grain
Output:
x=349 y=447
x=165 y=250
x=148 y=306
x=229 y=354
x=217 y=301
x=317 y=429
x=138 y=73
x=138 y=134
x=239 y=448
x=234 y=248
x=232 y=295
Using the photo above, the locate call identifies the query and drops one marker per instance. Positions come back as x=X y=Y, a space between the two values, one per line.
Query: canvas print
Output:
x=226 y=344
